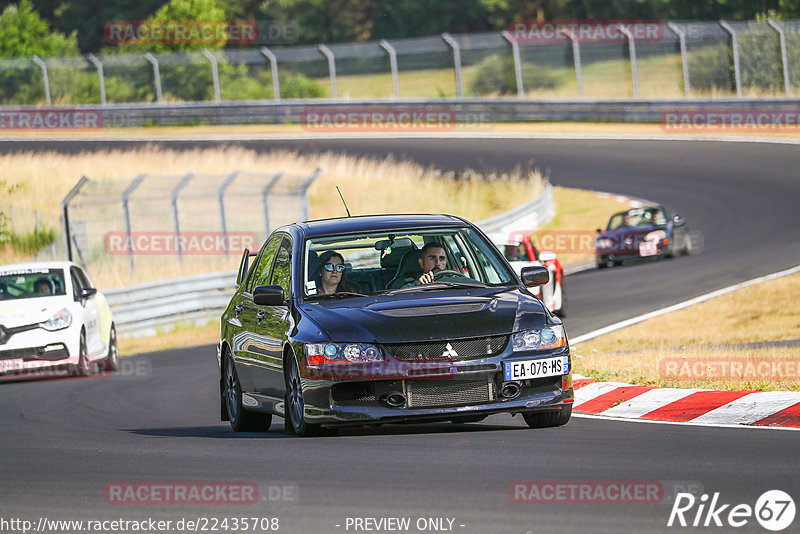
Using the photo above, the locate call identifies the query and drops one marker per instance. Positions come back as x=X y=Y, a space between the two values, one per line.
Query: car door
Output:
x=89 y=312
x=248 y=343
x=273 y=322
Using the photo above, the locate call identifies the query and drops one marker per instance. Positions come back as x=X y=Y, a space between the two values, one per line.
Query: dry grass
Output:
x=179 y=338
x=768 y=311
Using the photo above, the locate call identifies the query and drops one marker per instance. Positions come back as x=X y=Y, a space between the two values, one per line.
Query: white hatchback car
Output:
x=53 y=322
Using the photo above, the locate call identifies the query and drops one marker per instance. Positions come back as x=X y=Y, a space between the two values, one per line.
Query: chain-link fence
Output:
x=163 y=226
x=680 y=59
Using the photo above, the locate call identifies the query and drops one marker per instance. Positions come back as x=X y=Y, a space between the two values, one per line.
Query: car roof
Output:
x=38 y=265
x=370 y=223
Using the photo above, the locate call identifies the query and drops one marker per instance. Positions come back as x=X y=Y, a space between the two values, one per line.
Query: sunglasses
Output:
x=330 y=267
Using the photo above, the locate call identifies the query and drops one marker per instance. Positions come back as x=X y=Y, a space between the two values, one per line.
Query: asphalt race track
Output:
x=65 y=441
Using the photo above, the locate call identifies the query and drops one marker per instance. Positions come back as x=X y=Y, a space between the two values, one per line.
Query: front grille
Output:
x=460 y=349
x=435 y=393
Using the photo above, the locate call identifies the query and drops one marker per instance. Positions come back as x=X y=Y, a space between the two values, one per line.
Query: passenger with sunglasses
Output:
x=331 y=274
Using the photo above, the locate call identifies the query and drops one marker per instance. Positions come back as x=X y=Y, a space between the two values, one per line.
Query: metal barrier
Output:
x=754 y=58
x=159 y=307
x=189 y=223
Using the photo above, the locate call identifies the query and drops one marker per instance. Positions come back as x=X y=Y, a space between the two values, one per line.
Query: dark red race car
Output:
x=642 y=233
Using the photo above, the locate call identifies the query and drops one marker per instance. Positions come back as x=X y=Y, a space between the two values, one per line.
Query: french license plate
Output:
x=648 y=248
x=538 y=368
x=8 y=366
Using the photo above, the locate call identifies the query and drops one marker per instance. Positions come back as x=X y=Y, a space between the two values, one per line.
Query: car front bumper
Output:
x=427 y=395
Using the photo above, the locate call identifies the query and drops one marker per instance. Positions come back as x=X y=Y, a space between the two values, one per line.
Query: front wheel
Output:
x=548 y=419
x=295 y=406
x=83 y=367
x=241 y=420
x=562 y=310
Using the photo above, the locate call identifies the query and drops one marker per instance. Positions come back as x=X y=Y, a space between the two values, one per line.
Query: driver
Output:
x=432 y=259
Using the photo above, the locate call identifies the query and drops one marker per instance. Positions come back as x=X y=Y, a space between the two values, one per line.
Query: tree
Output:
x=23 y=33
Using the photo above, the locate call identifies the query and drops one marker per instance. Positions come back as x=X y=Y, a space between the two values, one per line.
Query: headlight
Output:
x=337 y=353
x=603 y=242
x=58 y=321
x=656 y=235
x=550 y=337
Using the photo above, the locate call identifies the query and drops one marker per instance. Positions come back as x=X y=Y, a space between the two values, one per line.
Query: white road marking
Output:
x=647 y=402
x=750 y=408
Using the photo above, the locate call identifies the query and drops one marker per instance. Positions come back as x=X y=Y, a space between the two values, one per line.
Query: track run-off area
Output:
x=66 y=444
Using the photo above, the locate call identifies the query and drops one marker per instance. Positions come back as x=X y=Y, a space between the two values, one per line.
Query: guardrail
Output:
x=462 y=112
x=154 y=308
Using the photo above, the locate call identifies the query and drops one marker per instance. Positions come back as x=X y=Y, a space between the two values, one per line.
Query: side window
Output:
x=282 y=273
x=261 y=275
x=77 y=284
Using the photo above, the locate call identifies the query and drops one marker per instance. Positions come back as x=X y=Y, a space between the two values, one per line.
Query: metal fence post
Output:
x=331 y=68
x=517 y=64
x=456 y=62
x=174 y=195
x=305 y=212
x=126 y=215
x=214 y=73
x=273 y=65
x=632 y=53
x=784 y=56
x=65 y=214
x=393 y=65
x=264 y=194
x=735 y=43
x=684 y=57
x=221 y=198
x=100 y=76
x=42 y=65
x=576 y=57
x=156 y=75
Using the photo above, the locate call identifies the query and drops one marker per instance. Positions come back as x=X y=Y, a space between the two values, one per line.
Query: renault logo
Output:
x=449 y=352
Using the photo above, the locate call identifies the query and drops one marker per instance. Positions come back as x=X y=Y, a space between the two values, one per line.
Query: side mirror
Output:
x=678 y=220
x=534 y=276
x=598 y=230
x=243 y=264
x=268 y=296
x=88 y=292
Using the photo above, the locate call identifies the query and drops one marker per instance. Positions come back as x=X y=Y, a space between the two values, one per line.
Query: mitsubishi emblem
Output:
x=449 y=352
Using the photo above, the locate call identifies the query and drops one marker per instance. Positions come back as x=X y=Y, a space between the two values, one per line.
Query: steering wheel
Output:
x=447 y=272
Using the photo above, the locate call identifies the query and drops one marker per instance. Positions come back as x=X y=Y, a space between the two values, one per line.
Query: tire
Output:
x=687 y=244
x=617 y=263
x=548 y=419
x=294 y=405
x=83 y=367
x=601 y=262
x=241 y=420
x=111 y=363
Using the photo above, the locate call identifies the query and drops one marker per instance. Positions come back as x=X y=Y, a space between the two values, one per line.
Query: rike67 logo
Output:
x=774 y=510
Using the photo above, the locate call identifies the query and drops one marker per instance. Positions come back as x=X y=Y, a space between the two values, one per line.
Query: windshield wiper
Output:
x=438 y=285
x=338 y=294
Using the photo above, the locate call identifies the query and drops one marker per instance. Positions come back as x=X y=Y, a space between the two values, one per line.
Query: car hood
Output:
x=428 y=316
x=630 y=232
x=28 y=311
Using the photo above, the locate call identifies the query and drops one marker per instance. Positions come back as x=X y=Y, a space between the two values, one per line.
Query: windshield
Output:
x=373 y=263
x=31 y=283
x=637 y=218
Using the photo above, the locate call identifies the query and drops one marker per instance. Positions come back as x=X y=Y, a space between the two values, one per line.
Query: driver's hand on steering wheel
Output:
x=426 y=278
